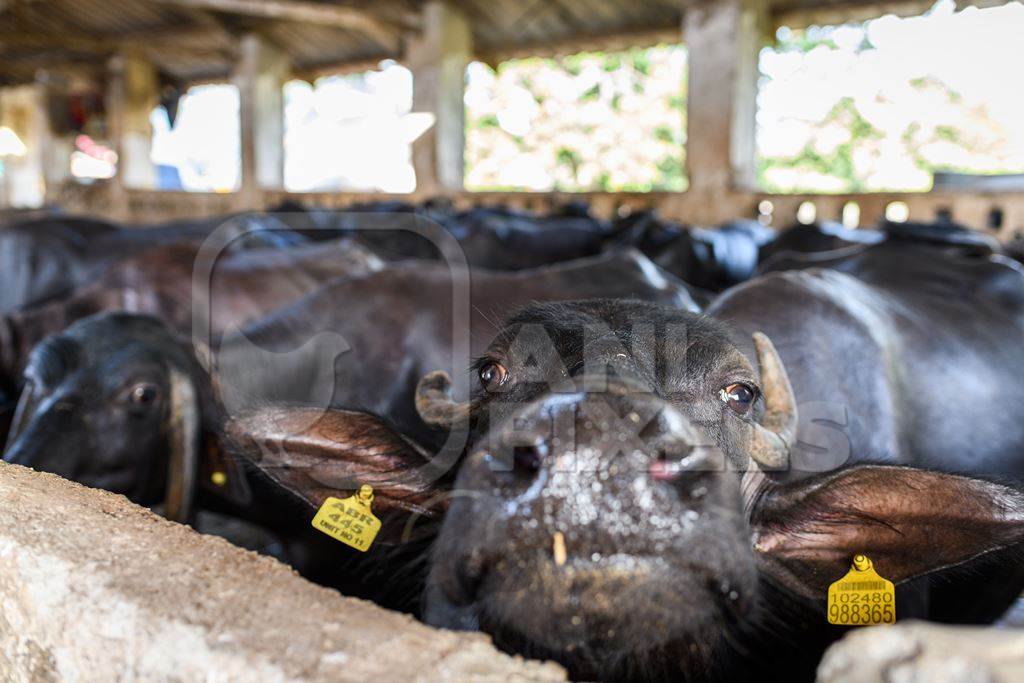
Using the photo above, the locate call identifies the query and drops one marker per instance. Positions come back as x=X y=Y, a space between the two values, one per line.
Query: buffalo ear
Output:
x=909 y=522
x=317 y=453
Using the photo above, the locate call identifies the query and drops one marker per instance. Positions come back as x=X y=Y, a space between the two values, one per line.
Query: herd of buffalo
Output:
x=641 y=449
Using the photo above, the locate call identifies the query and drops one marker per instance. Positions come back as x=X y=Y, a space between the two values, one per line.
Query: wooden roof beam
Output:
x=313 y=71
x=387 y=32
x=611 y=40
x=89 y=65
x=168 y=40
x=207 y=23
x=798 y=14
x=41 y=41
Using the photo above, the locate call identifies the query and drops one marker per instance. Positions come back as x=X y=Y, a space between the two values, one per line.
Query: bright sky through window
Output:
x=883 y=104
x=203 y=146
x=352 y=132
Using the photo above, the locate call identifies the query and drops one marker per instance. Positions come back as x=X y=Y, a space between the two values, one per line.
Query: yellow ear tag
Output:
x=862 y=597
x=349 y=520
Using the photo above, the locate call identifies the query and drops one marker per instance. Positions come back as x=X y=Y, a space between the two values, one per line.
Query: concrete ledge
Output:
x=914 y=651
x=94 y=588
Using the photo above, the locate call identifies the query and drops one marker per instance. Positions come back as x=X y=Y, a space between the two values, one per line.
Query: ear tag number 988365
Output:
x=349 y=520
x=862 y=597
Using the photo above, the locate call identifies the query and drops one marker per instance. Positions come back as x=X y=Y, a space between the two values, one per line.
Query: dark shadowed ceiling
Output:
x=196 y=39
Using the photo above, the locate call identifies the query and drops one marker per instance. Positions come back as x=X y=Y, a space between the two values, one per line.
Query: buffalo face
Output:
x=598 y=518
x=614 y=512
x=592 y=550
x=110 y=403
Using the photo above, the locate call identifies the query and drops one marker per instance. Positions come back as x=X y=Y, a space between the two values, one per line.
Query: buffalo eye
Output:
x=143 y=395
x=493 y=375
x=739 y=397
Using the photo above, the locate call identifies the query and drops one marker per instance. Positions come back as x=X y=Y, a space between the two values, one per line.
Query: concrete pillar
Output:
x=262 y=72
x=55 y=149
x=133 y=91
x=23 y=184
x=438 y=58
x=46 y=163
x=723 y=40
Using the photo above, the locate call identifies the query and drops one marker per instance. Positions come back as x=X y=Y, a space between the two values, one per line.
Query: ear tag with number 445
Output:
x=862 y=597
x=349 y=520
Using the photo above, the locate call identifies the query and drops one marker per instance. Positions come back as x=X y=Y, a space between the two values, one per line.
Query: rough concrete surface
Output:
x=919 y=652
x=94 y=588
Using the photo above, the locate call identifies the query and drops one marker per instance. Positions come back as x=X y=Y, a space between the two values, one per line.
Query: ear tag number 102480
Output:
x=349 y=520
x=862 y=597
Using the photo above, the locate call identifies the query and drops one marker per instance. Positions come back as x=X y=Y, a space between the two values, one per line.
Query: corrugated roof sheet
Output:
x=190 y=43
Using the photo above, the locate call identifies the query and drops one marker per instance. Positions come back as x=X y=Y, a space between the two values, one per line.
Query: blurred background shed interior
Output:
x=708 y=111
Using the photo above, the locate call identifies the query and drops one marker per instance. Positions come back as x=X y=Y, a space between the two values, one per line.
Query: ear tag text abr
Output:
x=349 y=520
x=862 y=597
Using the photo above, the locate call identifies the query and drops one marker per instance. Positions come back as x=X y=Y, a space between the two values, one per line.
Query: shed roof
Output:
x=196 y=39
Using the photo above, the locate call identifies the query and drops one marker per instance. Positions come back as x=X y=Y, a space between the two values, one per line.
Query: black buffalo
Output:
x=365 y=342
x=235 y=286
x=646 y=492
x=43 y=258
x=708 y=258
x=651 y=493
x=119 y=401
x=830 y=244
x=492 y=238
x=654 y=494
x=125 y=373
x=816 y=238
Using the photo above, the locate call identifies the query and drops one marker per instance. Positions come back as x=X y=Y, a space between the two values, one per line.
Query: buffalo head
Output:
x=113 y=402
x=616 y=510
x=117 y=401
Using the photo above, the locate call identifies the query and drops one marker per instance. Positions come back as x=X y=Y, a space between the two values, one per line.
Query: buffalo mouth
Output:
x=599 y=613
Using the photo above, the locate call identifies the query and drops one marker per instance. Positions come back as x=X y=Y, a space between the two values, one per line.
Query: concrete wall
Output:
x=970 y=208
x=94 y=588
x=922 y=652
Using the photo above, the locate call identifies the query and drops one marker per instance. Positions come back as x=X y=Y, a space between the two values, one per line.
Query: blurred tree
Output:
x=590 y=121
x=884 y=104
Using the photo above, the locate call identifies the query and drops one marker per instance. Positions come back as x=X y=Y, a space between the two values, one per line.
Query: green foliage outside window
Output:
x=885 y=104
x=612 y=121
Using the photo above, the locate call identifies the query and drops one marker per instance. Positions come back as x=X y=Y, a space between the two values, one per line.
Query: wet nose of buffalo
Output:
x=593 y=427
x=530 y=457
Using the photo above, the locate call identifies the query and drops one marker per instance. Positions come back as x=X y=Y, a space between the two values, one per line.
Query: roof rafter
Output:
x=167 y=41
x=615 y=40
x=386 y=31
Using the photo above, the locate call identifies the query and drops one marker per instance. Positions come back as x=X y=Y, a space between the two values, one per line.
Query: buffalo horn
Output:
x=434 y=401
x=771 y=442
x=183 y=464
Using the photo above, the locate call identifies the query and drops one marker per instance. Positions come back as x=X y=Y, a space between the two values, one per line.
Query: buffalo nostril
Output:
x=529 y=458
x=663 y=470
x=669 y=465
